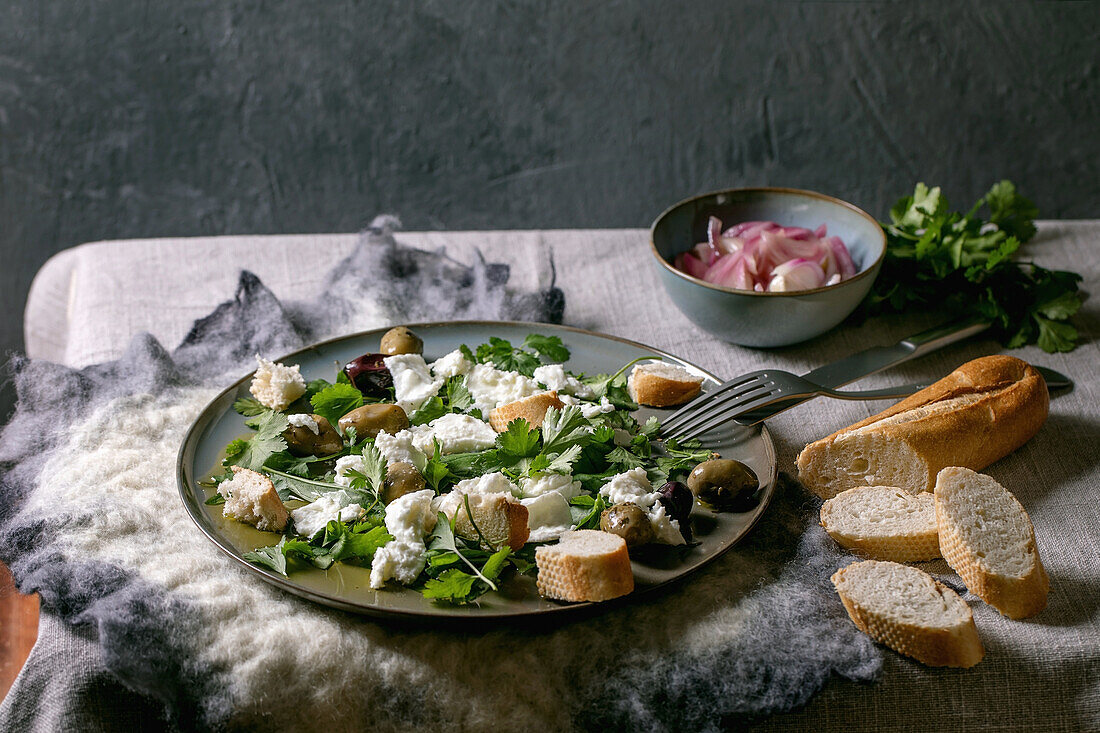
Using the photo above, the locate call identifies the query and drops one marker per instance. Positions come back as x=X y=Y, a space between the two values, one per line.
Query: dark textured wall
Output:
x=180 y=117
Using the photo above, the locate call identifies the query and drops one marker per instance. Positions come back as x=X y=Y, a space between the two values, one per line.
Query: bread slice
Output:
x=532 y=409
x=585 y=565
x=987 y=538
x=658 y=384
x=884 y=523
x=976 y=415
x=250 y=497
x=500 y=520
x=908 y=611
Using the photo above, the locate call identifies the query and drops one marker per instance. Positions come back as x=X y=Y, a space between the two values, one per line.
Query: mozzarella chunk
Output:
x=555 y=378
x=302 y=420
x=630 y=487
x=408 y=519
x=412 y=383
x=452 y=365
x=490 y=483
x=400 y=448
x=333 y=506
x=556 y=483
x=250 y=497
x=548 y=516
x=492 y=387
x=633 y=487
x=455 y=433
x=276 y=385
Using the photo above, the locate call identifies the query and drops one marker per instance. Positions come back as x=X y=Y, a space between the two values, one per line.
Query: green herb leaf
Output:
x=248 y=406
x=271 y=558
x=334 y=402
x=550 y=347
x=430 y=410
x=453 y=586
x=520 y=440
x=458 y=394
x=215 y=500
x=267 y=441
x=563 y=428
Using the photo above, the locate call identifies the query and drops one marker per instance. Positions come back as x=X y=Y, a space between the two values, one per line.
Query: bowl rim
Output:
x=865 y=272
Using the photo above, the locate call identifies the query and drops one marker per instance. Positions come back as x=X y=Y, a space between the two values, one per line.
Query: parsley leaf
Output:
x=519 y=441
x=428 y=411
x=452 y=585
x=564 y=427
x=966 y=264
x=335 y=401
x=550 y=347
x=253 y=452
x=458 y=394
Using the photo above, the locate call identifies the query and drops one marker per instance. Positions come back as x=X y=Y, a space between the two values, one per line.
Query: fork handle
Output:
x=874 y=360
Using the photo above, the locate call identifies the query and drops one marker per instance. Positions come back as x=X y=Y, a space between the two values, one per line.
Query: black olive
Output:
x=369 y=375
x=678 y=501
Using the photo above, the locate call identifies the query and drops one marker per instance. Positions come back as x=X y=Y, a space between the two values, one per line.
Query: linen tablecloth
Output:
x=1042 y=673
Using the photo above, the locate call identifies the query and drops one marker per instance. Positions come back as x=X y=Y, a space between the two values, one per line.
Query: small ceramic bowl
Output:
x=766 y=319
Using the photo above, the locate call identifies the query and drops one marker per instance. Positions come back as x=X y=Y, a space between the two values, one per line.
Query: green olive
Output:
x=725 y=484
x=401 y=479
x=629 y=522
x=370 y=420
x=401 y=340
x=302 y=441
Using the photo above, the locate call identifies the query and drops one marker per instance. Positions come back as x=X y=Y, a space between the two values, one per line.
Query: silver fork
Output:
x=751 y=392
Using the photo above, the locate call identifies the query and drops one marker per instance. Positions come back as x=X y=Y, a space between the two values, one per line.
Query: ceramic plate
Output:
x=347 y=587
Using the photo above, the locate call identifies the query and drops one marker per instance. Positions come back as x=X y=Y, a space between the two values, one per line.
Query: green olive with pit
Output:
x=401 y=479
x=724 y=484
x=629 y=522
x=370 y=420
x=401 y=340
x=302 y=440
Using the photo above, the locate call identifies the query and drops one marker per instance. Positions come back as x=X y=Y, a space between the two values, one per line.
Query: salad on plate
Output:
x=443 y=476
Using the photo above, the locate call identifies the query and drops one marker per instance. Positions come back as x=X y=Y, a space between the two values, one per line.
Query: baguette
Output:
x=658 y=384
x=909 y=611
x=884 y=523
x=498 y=518
x=532 y=409
x=585 y=565
x=979 y=413
x=987 y=538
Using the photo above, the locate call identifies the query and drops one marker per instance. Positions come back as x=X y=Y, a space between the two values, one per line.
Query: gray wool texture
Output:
x=796 y=633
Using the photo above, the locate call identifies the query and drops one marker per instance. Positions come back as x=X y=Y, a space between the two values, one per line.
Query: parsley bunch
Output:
x=965 y=263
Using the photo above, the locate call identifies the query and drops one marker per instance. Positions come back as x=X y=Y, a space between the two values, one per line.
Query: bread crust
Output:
x=1014 y=596
x=1011 y=404
x=532 y=409
x=954 y=646
x=583 y=576
x=656 y=390
x=501 y=521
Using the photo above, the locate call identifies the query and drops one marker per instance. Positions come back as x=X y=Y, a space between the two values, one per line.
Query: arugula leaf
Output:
x=248 y=406
x=550 y=347
x=335 y=401
x=267 y=441
x=362 y=546
x=296 y=487
x=965 y=264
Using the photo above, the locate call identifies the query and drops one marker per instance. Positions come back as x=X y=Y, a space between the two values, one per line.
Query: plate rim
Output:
x=197 y=514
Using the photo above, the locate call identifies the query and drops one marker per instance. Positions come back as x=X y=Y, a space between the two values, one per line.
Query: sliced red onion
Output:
x=763 y=256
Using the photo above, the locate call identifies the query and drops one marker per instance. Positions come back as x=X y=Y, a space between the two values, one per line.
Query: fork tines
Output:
x=711 y=409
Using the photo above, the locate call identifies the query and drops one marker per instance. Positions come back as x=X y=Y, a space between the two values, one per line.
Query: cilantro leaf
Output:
x=564 y=427
x=1055 y=336
x=271 y=558
x=335 y=401
x=622 y=457
x=458 y=394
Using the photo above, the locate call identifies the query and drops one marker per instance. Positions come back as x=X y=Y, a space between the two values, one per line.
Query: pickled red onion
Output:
x=766 y=257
